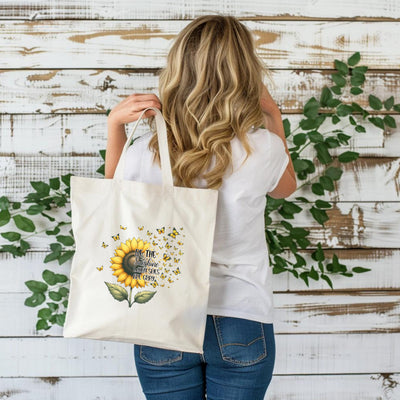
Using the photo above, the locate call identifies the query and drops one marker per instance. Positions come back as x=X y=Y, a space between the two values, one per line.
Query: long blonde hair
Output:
x=210 y=92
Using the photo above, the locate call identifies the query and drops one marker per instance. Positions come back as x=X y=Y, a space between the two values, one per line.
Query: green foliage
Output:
x=282 y=236
x=48 y=196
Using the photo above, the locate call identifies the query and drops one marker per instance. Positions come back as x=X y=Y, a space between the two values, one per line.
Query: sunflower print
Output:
x=127 y=261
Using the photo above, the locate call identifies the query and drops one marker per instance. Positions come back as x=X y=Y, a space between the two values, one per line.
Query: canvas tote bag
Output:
x=141 y=268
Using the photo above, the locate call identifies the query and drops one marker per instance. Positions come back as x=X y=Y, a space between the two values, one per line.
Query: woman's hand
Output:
x=129 y=109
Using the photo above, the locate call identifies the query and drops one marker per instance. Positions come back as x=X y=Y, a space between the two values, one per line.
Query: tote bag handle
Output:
x=167 y=179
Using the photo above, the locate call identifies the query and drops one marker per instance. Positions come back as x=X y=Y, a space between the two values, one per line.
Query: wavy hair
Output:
x=210 y=92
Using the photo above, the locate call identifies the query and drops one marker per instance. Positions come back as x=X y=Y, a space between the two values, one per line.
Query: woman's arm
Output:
x=128 y=110
x=273 y=122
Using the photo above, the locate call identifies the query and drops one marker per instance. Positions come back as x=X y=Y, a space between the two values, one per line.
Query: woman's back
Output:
x=240 y=277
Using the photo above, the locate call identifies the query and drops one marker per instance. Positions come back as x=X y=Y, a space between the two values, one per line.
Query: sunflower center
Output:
x=132 y=264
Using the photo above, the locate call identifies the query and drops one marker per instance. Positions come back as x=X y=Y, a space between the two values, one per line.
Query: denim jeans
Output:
x=239 y=358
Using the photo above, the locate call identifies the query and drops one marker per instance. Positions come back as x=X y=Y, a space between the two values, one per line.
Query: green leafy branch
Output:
x=316 y=112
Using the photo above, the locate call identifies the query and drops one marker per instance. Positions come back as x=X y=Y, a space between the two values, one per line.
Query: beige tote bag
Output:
x=141 y=268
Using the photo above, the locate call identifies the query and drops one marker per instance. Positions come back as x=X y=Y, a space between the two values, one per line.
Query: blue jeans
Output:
x=239 y=357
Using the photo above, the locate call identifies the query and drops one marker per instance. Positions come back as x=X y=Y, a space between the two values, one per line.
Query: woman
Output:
x=214 y=101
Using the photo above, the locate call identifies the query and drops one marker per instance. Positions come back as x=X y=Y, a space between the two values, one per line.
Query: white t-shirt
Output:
x=240 y=275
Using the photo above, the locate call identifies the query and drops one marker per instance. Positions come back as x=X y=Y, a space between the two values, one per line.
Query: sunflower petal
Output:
x=125 y=248
x=122 y=277
x=116 y=260
x=118 y=272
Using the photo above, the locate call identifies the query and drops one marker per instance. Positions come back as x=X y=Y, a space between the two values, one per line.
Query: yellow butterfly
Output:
x=176 y=271
x=175 y=248
x=100 y=268
x=154 y=284
x=162 y=285
x=180 y=253
x=166 y=257
x=104 y=245
x=167 y=245
x=140 y=229
x=170 y=280
x=122 y=227
x=154 y=243
x=148 y=232
x=176 y=259
x=116 y=237
x=164 y=238
x=162 y=276
x=162 y=230
x=167 y=270
x=174 y=233
x=181 y=228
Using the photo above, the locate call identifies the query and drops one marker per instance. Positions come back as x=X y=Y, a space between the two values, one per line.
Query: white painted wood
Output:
x=75 y=91
x=360 y=353
x=126 y=44
x=293 y=387
x=125 y=9
x=384 y=264
x=303 y=312
x=369 y=224
x=59 y=76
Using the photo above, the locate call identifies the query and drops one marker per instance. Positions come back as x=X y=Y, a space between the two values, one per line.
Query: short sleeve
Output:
x=278 y=161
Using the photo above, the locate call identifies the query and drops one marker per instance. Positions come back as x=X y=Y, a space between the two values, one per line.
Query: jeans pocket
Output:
x=158 y=356
x=241 y=341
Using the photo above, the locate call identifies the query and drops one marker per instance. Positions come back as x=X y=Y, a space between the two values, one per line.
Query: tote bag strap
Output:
x=167 y=179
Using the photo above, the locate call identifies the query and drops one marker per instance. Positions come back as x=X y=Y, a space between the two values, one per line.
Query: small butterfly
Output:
x=154 y=284
x=167 y=270
x=181 y=229
x=170 y=280
x=104 y=245
x=162 y=276
x=167 y=245
x=116 y=237
x=122 y=227
x=174 y=233
x=148 y=233
x=162 y=230
x=164 y=238
x=176 y=259
x=154 y=243
x=180 y=243
x=100 y=268
x=166 y=257
x=175 y=248
x=176 y=271
x=140 y=229
x=180 y=253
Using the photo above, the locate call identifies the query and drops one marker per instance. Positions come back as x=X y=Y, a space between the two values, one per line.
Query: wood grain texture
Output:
x=267 y=9
x=75 y=91
x=294 y=387
x=64 y=64
x=126 y=44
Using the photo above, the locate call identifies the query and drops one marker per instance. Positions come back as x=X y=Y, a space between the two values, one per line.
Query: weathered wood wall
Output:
x=64 y=63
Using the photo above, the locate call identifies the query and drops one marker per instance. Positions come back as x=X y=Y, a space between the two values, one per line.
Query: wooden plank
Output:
x=359 y=353
x=352 y=311
x=357 y=304
x=126 y=44
x=383 y=263
x=365 y=179
x=268 y=9
x=52 y=134
x=331 y=387
x=75 y=91
x=350 y=224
